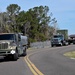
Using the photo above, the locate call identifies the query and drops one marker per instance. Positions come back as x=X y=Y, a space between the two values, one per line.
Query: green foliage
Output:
x=32 y=40
x=42 y=37
x=33 y=23
x=13 y=9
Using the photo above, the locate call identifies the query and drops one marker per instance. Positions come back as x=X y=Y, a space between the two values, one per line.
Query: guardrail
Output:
x=40 y=44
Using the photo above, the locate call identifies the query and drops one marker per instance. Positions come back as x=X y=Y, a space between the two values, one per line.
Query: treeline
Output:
x=35 y=23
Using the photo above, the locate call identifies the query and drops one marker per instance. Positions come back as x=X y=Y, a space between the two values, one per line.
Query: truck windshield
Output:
x=59 y=36
x=7 y=37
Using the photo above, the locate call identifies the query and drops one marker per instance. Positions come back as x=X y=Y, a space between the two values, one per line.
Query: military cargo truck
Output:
x=11 y=45
x=65 y=38
x=61 y=38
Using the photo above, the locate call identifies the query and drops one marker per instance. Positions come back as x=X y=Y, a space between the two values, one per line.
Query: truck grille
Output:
x=3 y=45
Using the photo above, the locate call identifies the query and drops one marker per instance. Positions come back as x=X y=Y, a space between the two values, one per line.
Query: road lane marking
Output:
x=32 y=67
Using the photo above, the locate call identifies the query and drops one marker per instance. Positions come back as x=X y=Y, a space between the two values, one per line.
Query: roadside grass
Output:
x=70 y=54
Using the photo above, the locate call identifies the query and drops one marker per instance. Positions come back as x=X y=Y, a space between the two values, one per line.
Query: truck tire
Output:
x=15 y=56
x=52 y=45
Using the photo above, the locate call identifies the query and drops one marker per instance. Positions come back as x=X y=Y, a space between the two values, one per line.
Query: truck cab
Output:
x=56 y=42
x=59 y=40
x=11 y=45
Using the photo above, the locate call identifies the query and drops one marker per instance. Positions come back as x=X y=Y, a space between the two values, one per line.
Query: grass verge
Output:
x=70 y=54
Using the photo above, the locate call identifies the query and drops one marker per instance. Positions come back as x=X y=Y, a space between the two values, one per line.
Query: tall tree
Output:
x=13 y=11
x=35 y=22
x=3 y=22
x=43 y=18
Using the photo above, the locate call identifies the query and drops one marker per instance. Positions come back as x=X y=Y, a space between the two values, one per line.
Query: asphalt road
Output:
x=9 y=67
x=51 y=61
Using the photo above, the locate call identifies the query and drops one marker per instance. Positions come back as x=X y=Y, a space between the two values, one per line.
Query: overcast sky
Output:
x=63 y=10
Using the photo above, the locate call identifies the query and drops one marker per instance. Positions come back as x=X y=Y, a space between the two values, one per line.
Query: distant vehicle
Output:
x=12 y=45
x=58 y=39
x=56 y=42
x=69 y=38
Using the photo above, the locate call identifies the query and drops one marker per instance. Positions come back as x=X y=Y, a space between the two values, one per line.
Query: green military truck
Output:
x=64 y=33
x=65 y=38
x=61 y=38
x=69 y=38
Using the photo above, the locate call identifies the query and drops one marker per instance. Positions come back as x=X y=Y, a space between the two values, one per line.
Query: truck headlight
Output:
x=12 y=52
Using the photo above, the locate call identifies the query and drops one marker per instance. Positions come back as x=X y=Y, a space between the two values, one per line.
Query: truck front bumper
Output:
x=56 y=43
x=7 y=52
